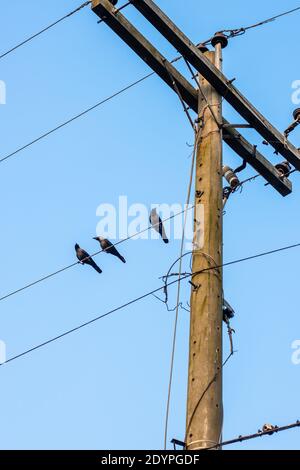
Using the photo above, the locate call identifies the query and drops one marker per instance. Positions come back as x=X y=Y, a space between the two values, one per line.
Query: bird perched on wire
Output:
x=269 y=427
x=84 y=258
x=108 y=247
x=157 y=224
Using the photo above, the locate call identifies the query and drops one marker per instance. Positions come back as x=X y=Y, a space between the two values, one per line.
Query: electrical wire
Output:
x=275 y=430
x=83 y=325
x=83 y=113
x=231 y=33
x=115 y=94
x=177 y=91
x=74 y=118
x=44 y=29
x=65 y=268
x=186 y=276
x=197 y=134
x=258 y=175
x=166 y=277
x=148 y=294
x=268 y=20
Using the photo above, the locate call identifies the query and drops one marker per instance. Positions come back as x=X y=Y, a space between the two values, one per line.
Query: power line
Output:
x=83 y=113
x=240 y=31
x=236 y=32
x=105 y=100
x=65 y=268
x=259 y=433
x=269 y=20
x=85 y=4
x=196 y=139
x=254 y=177
x=86 y=111
x=17 y=46
x=275 y=430
x=148 y=294
x=68 y=332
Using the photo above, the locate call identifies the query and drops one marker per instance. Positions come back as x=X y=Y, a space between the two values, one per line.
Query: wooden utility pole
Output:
x=204 y=405
x=204 y=408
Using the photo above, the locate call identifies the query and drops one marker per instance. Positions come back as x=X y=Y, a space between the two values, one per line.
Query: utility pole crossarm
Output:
x=216 y=78
x=136 y=41
x=254 y=158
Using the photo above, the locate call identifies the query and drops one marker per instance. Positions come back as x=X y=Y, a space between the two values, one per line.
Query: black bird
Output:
x=157 y=224
x=108 y=247
x=114 y=2
x=83 y=257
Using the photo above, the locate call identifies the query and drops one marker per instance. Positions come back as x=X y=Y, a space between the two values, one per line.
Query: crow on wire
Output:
x=108 y=247
x=84 y=258
x=157 y=224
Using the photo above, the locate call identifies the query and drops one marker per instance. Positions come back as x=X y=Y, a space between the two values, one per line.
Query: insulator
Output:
x=296 y=114
x=228 y=312
x=231 y=177
x=219 y=38
x=283 y=169
x=203 y=48
x=269 y=427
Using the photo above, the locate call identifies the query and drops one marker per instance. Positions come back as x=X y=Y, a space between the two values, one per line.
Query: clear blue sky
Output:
x=105 y=386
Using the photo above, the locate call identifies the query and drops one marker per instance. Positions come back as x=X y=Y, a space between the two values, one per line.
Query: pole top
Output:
x=220 y=38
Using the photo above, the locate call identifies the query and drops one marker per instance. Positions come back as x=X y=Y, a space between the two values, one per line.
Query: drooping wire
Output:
x=17 y=46
x=196 y=139
x=148 y=294
x=208 y=105
x=166 y=277
x=177 y=91
x=65 y=268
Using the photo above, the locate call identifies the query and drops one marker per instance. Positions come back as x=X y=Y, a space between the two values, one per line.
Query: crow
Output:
x=84 y=258
x=108 y=247
x=157 y=224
